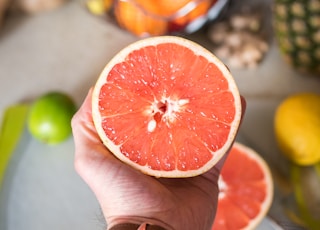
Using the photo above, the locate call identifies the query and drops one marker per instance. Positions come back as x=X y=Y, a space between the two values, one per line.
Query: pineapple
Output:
x=297 y=28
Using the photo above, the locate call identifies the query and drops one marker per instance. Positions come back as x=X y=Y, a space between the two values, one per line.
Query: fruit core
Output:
x=165 y=110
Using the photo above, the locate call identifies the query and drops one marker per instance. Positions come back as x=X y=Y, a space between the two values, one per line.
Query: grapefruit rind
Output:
x=198 y=50
x=267 y=179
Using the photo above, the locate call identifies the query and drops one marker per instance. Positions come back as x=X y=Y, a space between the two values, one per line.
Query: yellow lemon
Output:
x=297 y=128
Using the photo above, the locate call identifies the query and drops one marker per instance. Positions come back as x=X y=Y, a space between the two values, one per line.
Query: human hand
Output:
x=129 y=196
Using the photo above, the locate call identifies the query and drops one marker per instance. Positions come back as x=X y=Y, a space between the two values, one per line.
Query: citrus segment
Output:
x=246 y=190
x=167 y=107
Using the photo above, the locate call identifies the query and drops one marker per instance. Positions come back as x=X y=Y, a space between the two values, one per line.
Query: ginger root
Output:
x=237 y=40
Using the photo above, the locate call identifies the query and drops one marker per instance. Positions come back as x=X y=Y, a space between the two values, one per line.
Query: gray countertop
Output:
x=66 y=49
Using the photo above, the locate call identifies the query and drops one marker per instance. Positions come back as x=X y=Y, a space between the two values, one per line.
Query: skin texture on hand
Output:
x=127 y=195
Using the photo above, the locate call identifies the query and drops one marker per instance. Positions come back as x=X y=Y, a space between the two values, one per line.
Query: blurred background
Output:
x=63 y=45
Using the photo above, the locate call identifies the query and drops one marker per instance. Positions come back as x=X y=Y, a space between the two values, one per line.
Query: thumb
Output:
x=91 y=156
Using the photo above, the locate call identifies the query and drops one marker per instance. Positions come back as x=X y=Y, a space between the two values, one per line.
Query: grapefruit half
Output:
x=246 y=190
x=167 y=107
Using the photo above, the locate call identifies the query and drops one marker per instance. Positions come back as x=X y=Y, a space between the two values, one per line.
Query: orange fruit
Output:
x=138 y=21
x=246 y=190
x=170 y=8
x=167 y=107
x=189 y=11
x=157 y=17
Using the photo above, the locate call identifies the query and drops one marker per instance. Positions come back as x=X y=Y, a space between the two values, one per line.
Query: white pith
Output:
x=172 y=106
x=168 y=115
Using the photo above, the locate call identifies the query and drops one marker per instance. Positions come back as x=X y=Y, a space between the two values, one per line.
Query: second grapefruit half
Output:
x=167 y=107
x=246 y=190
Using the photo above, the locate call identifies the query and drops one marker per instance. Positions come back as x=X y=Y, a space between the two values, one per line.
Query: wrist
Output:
x=137 y=223
x=130 y=226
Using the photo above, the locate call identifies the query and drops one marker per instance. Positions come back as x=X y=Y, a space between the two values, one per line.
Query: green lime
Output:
x=50 y=117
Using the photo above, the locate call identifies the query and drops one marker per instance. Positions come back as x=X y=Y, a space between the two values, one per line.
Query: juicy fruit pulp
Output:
x=167 y=107
x=297 y=128
x=50 y=116
x=246 y=190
